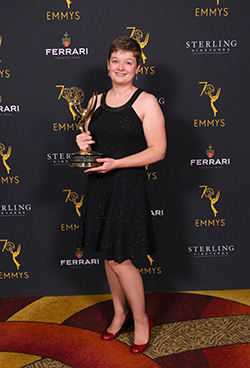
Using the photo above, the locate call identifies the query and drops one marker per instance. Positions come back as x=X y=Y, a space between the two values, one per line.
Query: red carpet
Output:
x=222 y=325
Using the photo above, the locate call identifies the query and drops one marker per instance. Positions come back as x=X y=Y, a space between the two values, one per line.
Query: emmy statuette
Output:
x=74 y=96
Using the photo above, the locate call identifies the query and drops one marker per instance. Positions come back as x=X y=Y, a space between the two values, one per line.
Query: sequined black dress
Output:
x=116 y=219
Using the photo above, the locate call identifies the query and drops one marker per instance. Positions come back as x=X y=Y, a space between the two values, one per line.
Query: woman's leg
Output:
x=131 y=283
x=118 y=298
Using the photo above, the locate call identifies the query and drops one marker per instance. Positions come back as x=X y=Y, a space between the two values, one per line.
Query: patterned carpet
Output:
x=190 y=331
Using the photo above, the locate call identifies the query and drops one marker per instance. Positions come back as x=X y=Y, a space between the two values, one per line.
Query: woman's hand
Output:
x=84 y=140
x=108 y=164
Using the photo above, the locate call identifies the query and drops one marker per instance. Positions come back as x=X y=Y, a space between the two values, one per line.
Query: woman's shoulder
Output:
x=147 y=99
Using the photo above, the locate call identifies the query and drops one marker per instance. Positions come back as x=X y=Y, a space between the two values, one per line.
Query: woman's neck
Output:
x=121 y=91
x=117 y=96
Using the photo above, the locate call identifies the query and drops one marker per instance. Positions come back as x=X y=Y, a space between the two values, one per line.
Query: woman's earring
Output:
x=108 y=73
x=136 y=77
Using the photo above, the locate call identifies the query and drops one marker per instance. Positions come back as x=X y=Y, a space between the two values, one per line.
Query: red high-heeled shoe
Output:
x=136 y=349
x=107 y=336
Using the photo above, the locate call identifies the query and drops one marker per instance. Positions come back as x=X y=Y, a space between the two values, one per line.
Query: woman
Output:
x=129 y=128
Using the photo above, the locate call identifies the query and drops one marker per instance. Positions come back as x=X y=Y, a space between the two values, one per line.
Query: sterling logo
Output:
x=67 y=52
x=211 y=250
x=218 y=11
x=205 y=47
x=74 y=198
x=11 y=248
x=210 y=162
x=137 y=35
x=68 y=15
x=12 y=210
x=161 y=100
x=58 y=158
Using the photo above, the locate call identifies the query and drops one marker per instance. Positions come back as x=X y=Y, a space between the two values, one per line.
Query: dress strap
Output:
x=135 y=96
x=103 y=98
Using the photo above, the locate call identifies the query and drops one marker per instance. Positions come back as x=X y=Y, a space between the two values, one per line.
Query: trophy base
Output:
x=84 y=159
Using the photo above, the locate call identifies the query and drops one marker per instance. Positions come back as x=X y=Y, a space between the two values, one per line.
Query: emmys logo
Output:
x=213 y=198
x=64 y=16
x=5 y=156
x=150 y=259
x=218 y=11
x=152 y=269
x=4 y=73
x=74 y=198
x=1 y=39
x=67 y=52
x=68 y=2
x=209 y=194
x=151 y=175
x=213 y=95
x=58 y=127
x=210 y=162
x=7 y=110
x=137 y=35
x=209 y=90
x=205 y=47
x=211 y=250
x=10 y=247
x=74 y=96
x=77 y=201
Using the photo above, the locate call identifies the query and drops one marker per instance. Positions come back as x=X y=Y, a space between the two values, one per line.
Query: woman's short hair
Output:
x=126 y=43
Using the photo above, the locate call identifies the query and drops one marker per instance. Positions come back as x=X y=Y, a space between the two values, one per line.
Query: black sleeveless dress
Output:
x=116 y=218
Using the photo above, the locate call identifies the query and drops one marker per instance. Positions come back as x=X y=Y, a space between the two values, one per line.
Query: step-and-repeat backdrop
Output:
x=195 y=63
